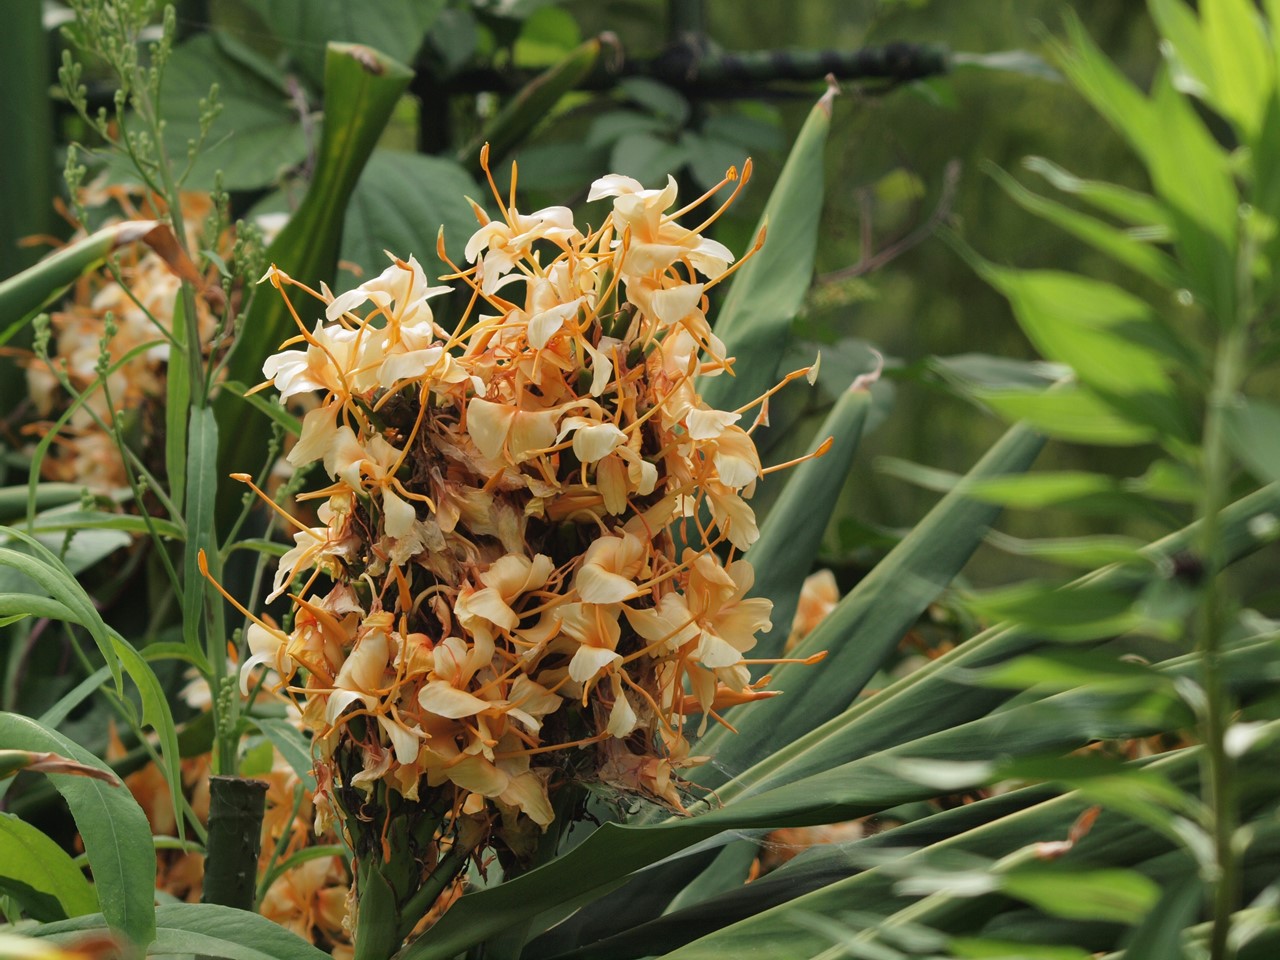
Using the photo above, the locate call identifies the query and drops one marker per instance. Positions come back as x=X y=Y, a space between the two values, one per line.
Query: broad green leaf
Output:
x=1122 y=247
x=1036 y=490
x=1243 y=66
x=1135 y=208
x=258 y=135
x=116 y=834
x=400 y=203
x=362 y=88
x=396 y=27
x=1074 y=414
x=203 y=929
x=37 y=873
x=768 y=291
x=649 y=157
x=792 y=533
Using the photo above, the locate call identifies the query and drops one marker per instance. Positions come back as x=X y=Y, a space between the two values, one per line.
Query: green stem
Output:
x=1218 y=790
x=236 y=806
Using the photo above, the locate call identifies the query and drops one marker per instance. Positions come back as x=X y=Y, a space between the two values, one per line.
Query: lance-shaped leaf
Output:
x=768 y=291
x=116 y=834
x=38 y=874
x=203 y=929
x=361 y=90
x=790 y=537
x=28 y=291
x=870 y=621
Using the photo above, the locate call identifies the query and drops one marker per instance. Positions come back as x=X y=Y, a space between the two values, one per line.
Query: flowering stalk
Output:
x=492 y=606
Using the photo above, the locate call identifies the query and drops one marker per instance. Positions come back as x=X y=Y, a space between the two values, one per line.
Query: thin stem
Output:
x=1218 y=789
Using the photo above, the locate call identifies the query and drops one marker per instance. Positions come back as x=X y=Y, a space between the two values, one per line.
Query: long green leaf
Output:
x=177 y=405
x=792 y=533
x=768 y=291
x=202 y=493
x=37 y=873
x=203 y=929
x=1123 y=247
x=361 y=90
x=870 y=621
x=116 y=834
x=531 y=105
x=28 y=291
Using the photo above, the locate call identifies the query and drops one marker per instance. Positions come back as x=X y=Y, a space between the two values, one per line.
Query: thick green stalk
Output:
x=1219 y=792
x=236 y=807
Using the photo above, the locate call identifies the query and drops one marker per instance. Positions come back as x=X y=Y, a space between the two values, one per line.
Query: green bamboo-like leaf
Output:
x=940 y=694
x=26 y=292
x=1160 y=933
x=37 y=873
x=870 y=621
x=853 y=874
x=1102 y=332
x=1140 y=210
x=1196 y=183
x=116 y=834
x=792 y=533
x=1187 y=50
x=1119 y=896
x=1243 y=66
x=860 y=787
x=530 y=106
x=1075 y=414
x=768 y=291
x=361 y=90
x=203 y=929
x=1122 y=247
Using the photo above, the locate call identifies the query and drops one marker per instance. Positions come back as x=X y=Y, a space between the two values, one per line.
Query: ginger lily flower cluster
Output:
x=527 y=566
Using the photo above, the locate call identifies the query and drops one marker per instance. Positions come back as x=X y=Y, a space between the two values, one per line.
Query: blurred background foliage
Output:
x=888 y=183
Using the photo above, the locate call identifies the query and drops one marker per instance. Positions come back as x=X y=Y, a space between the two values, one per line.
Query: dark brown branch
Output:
x=870 y=262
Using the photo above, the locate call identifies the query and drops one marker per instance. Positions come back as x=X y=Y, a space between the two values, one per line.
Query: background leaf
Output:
x=117 y=836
